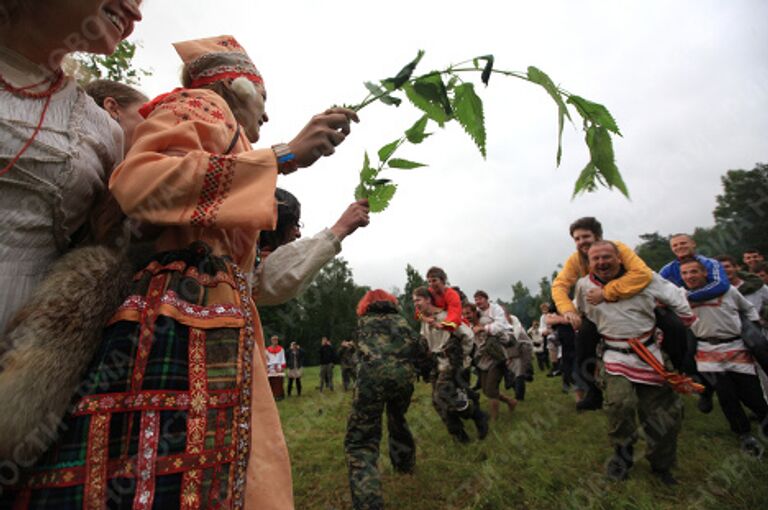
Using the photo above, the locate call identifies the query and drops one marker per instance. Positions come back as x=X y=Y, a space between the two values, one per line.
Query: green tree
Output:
x=523 y=304
x=741 y=214
x=412 y=280
x=654 y=250
x=328 y=307
x=118 y=66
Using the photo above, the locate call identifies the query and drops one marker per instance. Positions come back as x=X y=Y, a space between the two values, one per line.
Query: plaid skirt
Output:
x=162 y=419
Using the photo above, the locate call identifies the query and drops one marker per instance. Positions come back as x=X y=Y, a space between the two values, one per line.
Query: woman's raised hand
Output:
x=321 y=135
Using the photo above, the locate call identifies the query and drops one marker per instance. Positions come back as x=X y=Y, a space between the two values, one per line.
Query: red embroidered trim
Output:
x=95 y=490
x=191 y=481
x=724 y=357
x=216 y=187
x=157 y=400
x=170 y=298
x=201 y=82
x=146 y=333
x=145 y=465
x=126 y=468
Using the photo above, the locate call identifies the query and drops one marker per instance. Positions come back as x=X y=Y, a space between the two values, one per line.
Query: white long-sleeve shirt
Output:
x=632 y=318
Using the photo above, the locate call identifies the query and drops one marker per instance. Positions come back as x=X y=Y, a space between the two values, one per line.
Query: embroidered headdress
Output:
x=216 y=58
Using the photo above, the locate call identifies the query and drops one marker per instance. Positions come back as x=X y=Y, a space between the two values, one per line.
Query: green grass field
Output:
x=542 y=456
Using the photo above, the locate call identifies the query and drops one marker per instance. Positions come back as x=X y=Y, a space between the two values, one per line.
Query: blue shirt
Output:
x=717 y=280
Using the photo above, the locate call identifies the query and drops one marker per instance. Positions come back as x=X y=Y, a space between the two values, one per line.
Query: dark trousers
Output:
x=347 y=377
x=566 y=336
x=543 y=360
x=298 y=386
x=732 y=390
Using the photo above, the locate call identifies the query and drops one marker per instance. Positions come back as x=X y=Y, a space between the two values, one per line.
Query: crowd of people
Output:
x=139 y=237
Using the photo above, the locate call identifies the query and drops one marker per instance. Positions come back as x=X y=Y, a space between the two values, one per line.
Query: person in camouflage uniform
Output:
x=388 y=351
x=450 y=351
x=348 y=362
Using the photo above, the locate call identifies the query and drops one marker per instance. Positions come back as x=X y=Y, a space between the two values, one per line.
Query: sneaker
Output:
x=705 y=403
x=751 y=446
x=481 y=422
x=665 y=476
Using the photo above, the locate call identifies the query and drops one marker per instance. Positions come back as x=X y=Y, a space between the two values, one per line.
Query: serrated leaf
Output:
x=386 y=151
x=404 y=164
x=540 y=77
x=415 y=134
x=368 y=172
x=468 y=110
x=594 y=112
x=382 y=95
x=586 y=180
x=602 y=157
x=361 y=192
x=485 y=76
x=380 y=196
x=404 y=75
x=433 y=111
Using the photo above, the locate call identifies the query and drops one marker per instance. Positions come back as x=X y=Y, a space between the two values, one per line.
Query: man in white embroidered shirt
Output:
x=632 y=385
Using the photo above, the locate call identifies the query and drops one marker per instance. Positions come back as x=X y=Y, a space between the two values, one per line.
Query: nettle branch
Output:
x=443 y=96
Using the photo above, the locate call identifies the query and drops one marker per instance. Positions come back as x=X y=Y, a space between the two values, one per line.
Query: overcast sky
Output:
x=687 y=82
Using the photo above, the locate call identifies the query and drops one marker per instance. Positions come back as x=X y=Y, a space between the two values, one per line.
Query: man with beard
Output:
x=584 y=232
x=450 y=349
x=633 y=368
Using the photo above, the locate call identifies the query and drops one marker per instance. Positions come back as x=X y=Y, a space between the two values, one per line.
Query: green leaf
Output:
x=594 y=112
x=404 y=75
x=391 y=100
x=386 y=151
x=382 y=95
x=485 y=76
x=404 y=164
x=374 y=89
x=379 y=197
x=468 y=110
x=368 y=172
x=361 y=192
x=433 y=111
x=602 y=157
x=540 y=77
x=586 y=180
x=433 y=90
x=415 y=134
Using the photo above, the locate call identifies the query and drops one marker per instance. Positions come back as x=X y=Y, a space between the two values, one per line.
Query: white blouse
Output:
x=49 y=193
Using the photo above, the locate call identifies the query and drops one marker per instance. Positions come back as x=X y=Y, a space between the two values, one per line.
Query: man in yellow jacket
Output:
x=637 y=276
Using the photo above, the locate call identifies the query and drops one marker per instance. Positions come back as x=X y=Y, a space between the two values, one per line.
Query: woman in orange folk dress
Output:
x=176 y=411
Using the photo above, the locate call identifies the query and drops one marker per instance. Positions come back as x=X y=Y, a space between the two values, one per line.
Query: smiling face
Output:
x=482 y=302
x=583 y=239
x=101 y=23
x=730 y=269
x=694 y=275
x=436 y=284
x=751 y=259
x=604 y=261
x=420 y=303
x=682 y=246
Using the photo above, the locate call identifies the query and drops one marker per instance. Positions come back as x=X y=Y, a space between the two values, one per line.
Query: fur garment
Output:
x=49 y=343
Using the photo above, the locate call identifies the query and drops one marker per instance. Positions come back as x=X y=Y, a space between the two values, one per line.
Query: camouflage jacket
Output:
x=387 y=339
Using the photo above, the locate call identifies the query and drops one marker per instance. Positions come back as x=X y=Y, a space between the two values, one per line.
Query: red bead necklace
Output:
x=57 y=80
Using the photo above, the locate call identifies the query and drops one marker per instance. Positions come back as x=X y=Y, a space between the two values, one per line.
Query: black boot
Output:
x=592 y=401
x=705 y=399
x=520 y=388
x=481 y=422
x=665 y=476
x=620 y=463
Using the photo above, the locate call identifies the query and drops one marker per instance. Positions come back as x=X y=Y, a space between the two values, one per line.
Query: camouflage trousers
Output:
x=452 y=405
x=659 y=410
x=376 y=393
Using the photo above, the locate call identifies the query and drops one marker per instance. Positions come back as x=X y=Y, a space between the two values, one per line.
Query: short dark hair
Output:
x=436 y=272
x=727 y=258
x=691 y=260
x=481 y=293
x=423 y=292
x=761 y=267
x=751 y=250
x=587 y=223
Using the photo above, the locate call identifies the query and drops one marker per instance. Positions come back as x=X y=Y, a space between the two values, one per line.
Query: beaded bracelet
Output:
x=286 y=160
